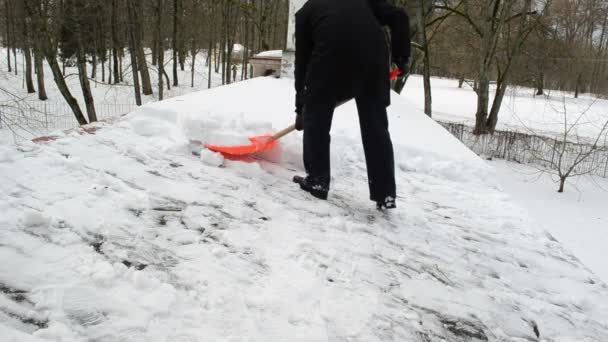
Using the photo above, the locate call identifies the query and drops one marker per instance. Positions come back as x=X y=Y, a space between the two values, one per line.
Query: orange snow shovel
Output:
x=258 y=144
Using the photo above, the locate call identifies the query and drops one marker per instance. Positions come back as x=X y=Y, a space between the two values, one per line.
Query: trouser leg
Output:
x=317 y=125
x=378 y=148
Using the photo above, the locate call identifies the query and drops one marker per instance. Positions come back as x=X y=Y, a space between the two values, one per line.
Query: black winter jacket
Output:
x=342 y=52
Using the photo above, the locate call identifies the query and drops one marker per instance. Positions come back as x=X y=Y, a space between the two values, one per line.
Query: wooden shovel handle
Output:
x=283 y=133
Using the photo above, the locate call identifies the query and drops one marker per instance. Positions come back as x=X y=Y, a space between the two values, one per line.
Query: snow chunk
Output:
x=219 y=252
x=6 y=155
x=211 y=158
x=32 y=218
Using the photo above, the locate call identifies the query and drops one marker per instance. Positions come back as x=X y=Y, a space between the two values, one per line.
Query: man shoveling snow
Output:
x=341 y=54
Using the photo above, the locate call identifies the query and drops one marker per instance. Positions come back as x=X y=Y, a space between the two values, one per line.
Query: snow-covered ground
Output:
x=520 y=111
x=578 y=217
x=122 y=234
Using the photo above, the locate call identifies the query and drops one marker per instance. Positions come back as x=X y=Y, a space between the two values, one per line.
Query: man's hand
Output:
x=299 y=119
x=403 y=64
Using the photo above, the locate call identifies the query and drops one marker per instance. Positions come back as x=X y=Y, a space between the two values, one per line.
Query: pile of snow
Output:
x=125 y=235
x=270 y=54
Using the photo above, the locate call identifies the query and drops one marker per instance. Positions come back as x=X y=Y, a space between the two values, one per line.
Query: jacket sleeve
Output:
x=399 y=24
x=304 y=47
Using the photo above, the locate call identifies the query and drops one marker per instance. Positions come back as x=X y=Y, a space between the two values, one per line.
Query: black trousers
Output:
x=377 y=144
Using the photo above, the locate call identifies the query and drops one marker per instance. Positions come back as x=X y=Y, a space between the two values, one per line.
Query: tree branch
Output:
x=466 y=17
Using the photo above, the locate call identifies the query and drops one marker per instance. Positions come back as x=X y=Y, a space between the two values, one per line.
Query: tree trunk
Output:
x=174 y=41
x=117 y=78
x=494 y=18
x=428 y=99
x=483 y=93
x=15 y=59
x=141 y=57
x=63 y=87
x=143 y=68
x=121 y=73
x=167 y=79
x=94 y=69
x=7 y=21
x=229 y=62
x=461 y=81
x=155 y=50
x=84 y=82
x=115 y=70
x=103 y=70
x=562 y=183
x=28 y=70
x=218 y=56
x=193 y=67
x=132 y=50
x=182 y=55
x=40 y=74
x=540 y=84
x=501 y=88
x=245 y=50
x=210 y=54
x=160 y=49
x=27 y=54
x=428 y=110
x=577 y=86
x=110 y=71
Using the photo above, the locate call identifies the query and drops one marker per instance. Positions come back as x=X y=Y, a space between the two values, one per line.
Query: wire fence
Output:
x=538 y=150
x=27 y=119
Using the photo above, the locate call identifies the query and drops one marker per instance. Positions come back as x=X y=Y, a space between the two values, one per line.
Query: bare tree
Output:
x=160 y=48
x=571 y=151
x=133 y=49
x=49 y=47
x=8 y=34
x=176 y=8
x=25 y=46
x=115 y=43
x=38 y=53
x=136 y=25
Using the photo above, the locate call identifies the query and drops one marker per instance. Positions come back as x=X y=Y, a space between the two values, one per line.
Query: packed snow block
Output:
x=212 y=158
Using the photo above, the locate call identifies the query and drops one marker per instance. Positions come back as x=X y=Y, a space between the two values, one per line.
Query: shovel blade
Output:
x=258 y=144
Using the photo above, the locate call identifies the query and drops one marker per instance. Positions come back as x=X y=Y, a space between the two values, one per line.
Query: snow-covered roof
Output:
x=123 y=234
x=270 y=54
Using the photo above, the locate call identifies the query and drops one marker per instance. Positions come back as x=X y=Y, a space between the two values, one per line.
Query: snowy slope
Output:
x=582 y=205
x=121 y=234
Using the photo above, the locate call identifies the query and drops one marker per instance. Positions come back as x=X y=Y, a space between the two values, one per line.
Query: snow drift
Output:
x=121 y=234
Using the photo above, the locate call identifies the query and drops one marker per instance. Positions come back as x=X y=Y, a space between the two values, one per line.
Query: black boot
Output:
x=387 y=203
x=317 y=186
